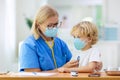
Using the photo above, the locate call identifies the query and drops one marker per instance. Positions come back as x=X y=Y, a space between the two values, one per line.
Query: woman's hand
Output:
x=70 y=64
x=63 y=70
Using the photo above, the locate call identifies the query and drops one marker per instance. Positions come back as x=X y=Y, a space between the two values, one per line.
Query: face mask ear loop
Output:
x=40 y=33
x=88 y=40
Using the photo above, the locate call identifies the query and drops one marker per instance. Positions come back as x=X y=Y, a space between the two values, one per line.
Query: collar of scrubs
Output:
x=51 y=44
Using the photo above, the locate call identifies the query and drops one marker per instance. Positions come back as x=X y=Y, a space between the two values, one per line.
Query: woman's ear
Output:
x=36 y=24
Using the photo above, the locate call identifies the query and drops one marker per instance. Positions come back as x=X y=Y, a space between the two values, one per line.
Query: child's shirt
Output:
x=92 y=54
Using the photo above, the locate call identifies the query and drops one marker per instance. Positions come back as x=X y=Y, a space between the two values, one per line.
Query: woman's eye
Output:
x=55 y=24
x=48 y=25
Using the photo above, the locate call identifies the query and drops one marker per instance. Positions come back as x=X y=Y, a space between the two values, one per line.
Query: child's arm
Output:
x=89 y=68
x=99 y=66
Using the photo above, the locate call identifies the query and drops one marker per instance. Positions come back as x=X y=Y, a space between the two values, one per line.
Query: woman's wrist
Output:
x=61 y=69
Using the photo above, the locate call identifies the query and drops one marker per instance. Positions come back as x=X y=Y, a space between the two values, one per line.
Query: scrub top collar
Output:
x=51 y=47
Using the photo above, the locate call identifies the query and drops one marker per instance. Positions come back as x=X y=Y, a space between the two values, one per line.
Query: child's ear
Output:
x=89 y=39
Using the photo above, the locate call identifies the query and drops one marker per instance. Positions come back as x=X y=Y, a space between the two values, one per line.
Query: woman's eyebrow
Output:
x=56 y=23
x=53 y=23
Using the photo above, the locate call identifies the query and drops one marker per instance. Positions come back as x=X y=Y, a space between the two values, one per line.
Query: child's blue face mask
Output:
x=79 y=44
x=51 y=32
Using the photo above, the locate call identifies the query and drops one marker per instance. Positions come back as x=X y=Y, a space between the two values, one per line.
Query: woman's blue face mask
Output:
x=79 y=44
x=52 y=29
x=51 y=32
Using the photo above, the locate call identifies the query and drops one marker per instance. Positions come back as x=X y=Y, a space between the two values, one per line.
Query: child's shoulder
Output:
x=95 y=49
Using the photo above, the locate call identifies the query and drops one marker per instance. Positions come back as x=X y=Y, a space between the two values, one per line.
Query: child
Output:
x=85 y=36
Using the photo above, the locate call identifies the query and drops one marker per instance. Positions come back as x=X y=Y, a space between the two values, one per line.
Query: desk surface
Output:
x=59 y=76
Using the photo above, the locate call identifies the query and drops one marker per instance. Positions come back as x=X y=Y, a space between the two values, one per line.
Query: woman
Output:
x=43 y=50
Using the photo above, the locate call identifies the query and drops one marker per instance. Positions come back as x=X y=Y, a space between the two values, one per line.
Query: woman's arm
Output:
x=69 y=64
x=32 y=70
x=68 y=67
x=38 y=70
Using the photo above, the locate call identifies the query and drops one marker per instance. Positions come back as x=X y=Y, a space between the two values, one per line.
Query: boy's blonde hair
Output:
x=86 y=29
x=42 y=15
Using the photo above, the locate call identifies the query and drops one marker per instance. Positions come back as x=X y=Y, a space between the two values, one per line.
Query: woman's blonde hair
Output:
x=86 y=29
x=42 y=15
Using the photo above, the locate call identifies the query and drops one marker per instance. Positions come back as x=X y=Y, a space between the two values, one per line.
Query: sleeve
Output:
x=28 y=57
x=75 y=55
x=66 y=52
x=95 y=55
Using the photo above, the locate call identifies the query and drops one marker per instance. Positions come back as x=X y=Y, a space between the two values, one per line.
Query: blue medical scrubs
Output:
x=37 y=54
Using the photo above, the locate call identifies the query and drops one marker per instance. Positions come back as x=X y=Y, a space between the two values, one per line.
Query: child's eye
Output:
x=76 y=36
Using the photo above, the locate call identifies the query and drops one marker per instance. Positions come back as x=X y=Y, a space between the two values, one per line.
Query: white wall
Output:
x=25 y=8
x=7 y=34
x=109 y=53
x=112 y=16
x=112 y=11
x=2 y=24
x=75 y=10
